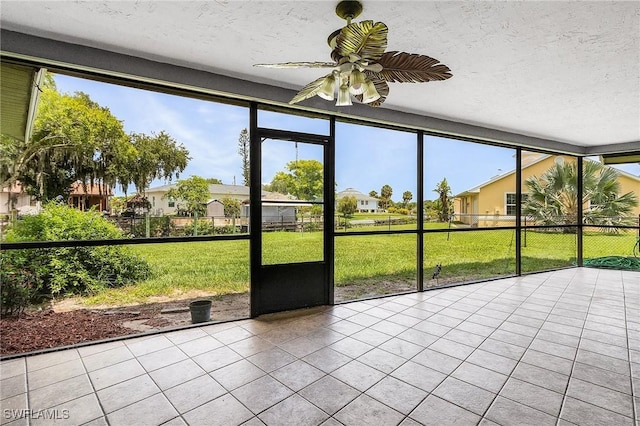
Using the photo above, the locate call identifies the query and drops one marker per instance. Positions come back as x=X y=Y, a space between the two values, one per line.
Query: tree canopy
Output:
x=385 y=196
x=444 y=203
x=191 y=194
x=303 y=179
x=347 y=205
x=406 y=197
x=232 y=207
x=76 y=139
x=243 y=150
x=553 y=197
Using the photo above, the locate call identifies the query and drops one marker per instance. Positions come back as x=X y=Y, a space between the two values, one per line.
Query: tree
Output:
x=213 y=181
x=155 y=156
x=373 y=194
x=231 y=207
x=406 y=197
x=347 y=205
x=73 y=139
x=444 y=201
x=76 y=139
x=243 y=150
x=385 y=197
x=304 y=180
x=553 y=197
x=194 y=192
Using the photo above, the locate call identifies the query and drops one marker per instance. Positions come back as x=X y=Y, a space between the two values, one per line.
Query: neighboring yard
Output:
x=222 y=267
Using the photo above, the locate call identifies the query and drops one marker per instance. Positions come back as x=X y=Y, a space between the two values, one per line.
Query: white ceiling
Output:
x=566 y=71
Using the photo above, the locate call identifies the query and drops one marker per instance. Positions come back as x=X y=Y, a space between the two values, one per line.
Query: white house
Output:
x=161 y=205
x=366 y=204
x=13 y=197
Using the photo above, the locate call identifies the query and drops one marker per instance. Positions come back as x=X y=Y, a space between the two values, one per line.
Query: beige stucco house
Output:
x=493 y=203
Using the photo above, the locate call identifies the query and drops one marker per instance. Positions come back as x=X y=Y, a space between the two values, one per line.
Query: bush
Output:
x=158 y=227
x=18 y=287
x=74 y=270
x=226 y=229
x=204 y=228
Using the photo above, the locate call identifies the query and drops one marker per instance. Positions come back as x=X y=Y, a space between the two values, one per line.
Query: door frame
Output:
x=258 y=306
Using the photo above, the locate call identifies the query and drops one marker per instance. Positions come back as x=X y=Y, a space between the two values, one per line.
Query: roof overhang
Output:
x=20 y=87
x=626 y=158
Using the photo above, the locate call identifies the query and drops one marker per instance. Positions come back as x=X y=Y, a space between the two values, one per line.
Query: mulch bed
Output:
x=47 y=329
x=38 y=330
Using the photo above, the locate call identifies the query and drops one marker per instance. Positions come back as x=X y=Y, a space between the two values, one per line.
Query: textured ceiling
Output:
x=567 y=71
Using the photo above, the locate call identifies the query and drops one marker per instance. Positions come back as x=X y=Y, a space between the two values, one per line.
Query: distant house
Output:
x=274 y=212
x=366 y=204
x=493 y=203
x=13 y=197
x=80 y=196
x=85 y=196
x=161 y=205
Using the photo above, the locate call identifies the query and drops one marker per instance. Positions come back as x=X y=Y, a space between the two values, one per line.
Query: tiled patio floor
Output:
x=555 y=348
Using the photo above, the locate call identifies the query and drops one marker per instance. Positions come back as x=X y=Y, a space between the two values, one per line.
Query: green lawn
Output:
x=222 y=267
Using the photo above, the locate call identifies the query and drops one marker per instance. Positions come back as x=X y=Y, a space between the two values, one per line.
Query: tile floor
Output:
x=557 y=348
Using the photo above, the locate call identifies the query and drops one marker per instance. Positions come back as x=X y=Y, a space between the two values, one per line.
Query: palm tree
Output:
x=553 y=197
x=444 y=202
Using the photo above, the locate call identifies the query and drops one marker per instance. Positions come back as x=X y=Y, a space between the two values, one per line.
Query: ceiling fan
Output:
x=361 y=67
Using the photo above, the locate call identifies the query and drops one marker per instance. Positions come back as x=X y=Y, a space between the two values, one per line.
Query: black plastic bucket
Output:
x=200 y=311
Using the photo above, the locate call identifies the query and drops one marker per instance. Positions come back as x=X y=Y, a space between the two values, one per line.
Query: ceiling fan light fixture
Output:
x=370 y=93
x=344 y=98
x=358 y=82
x=328 y=88
x=360 y=66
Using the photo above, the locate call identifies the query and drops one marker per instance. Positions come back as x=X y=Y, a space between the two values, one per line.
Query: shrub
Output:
x=74 y=270
x=204 y=228
x=158 y=227
x=18 y=287
x=226 y=229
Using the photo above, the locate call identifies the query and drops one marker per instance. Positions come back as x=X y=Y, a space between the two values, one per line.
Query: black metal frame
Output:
x=276 y=287
x=329 y=201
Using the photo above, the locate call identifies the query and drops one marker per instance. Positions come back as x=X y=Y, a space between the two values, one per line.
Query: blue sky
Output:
x=366 y=158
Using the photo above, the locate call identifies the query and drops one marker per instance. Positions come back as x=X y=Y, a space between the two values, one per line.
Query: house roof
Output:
x=351 y=192
x=476 y=189
x=14 y=187
x=240 y=190
x=78 y=188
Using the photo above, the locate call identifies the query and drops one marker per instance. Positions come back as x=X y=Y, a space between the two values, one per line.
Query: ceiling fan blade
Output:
x=365 y=39
x=402 y=67
x=309 y=91
x=381 y=86
x=298 y=65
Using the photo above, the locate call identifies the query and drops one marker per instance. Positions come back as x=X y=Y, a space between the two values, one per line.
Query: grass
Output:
x=222 y=267
x=183 y=268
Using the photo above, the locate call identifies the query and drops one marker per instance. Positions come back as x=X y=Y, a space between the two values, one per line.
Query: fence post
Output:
x=389 y=222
